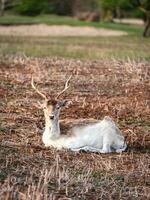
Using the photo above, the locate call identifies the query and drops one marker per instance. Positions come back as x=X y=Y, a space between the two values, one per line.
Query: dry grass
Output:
x=57 y=30
x=30 y=171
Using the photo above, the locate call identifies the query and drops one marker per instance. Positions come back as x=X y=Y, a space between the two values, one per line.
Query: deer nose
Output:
x=51 y=116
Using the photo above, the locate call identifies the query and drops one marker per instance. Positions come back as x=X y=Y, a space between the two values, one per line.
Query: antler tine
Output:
x=65 y=88
x=33 y=86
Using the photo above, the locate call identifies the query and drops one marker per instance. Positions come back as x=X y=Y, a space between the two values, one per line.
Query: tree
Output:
x=3 y=5
x=115 y=8
x=144 y=6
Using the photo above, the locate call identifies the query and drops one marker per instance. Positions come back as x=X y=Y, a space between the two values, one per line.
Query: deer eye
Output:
x=57 y=107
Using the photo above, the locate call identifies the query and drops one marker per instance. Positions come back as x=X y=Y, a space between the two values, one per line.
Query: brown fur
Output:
x=66 y=125
x=51 y=102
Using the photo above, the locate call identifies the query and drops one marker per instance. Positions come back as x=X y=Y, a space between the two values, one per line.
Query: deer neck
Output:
x=52 y=127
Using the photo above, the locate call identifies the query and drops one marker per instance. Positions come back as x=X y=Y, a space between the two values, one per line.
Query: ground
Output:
x=55 y=30
x=116 y=88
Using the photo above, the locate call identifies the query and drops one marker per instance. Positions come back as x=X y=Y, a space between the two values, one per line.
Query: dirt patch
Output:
x=63 y=30
x=138 y=22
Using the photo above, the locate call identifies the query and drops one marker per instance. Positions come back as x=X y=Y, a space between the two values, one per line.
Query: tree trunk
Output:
x=147 y=27
x=2 y=7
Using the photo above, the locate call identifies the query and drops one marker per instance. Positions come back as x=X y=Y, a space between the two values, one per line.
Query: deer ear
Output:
x=63 y=103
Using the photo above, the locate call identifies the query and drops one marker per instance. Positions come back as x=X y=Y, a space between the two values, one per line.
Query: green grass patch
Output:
x=60 y=20
x=92 y=48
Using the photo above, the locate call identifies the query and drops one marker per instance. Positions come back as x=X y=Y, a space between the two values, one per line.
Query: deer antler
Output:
x=66 y=87
x=33 y=86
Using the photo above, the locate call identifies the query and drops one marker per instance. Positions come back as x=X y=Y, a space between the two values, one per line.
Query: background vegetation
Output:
x=89 y=10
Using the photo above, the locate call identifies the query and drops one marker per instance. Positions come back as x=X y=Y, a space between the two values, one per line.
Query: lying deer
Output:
x=102 y=136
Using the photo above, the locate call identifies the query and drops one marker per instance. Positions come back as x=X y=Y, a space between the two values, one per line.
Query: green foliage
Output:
x=67 y=7
x=144 y=3
x=123 y=8
x=32 y=7
x=136 y=13
x=61 y=7
x=117 y=8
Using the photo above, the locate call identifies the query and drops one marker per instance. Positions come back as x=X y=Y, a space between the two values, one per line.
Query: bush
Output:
x=61 y=7
x=32 y=7
x=136 y=13
x=70 y=7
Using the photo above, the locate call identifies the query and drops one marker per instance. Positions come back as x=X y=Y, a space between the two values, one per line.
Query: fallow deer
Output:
x=102 y=136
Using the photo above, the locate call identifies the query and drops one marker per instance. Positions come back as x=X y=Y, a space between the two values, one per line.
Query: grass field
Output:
x=133 y=46
x=111 y=76
x=91 y=48
x=60 y=20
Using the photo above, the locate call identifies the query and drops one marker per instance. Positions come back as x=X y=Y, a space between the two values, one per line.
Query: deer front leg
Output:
x=76 y=145
x=121 y=149
x=106 y=144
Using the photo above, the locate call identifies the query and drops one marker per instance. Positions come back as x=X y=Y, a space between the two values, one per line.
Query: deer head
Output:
x=52 y=106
